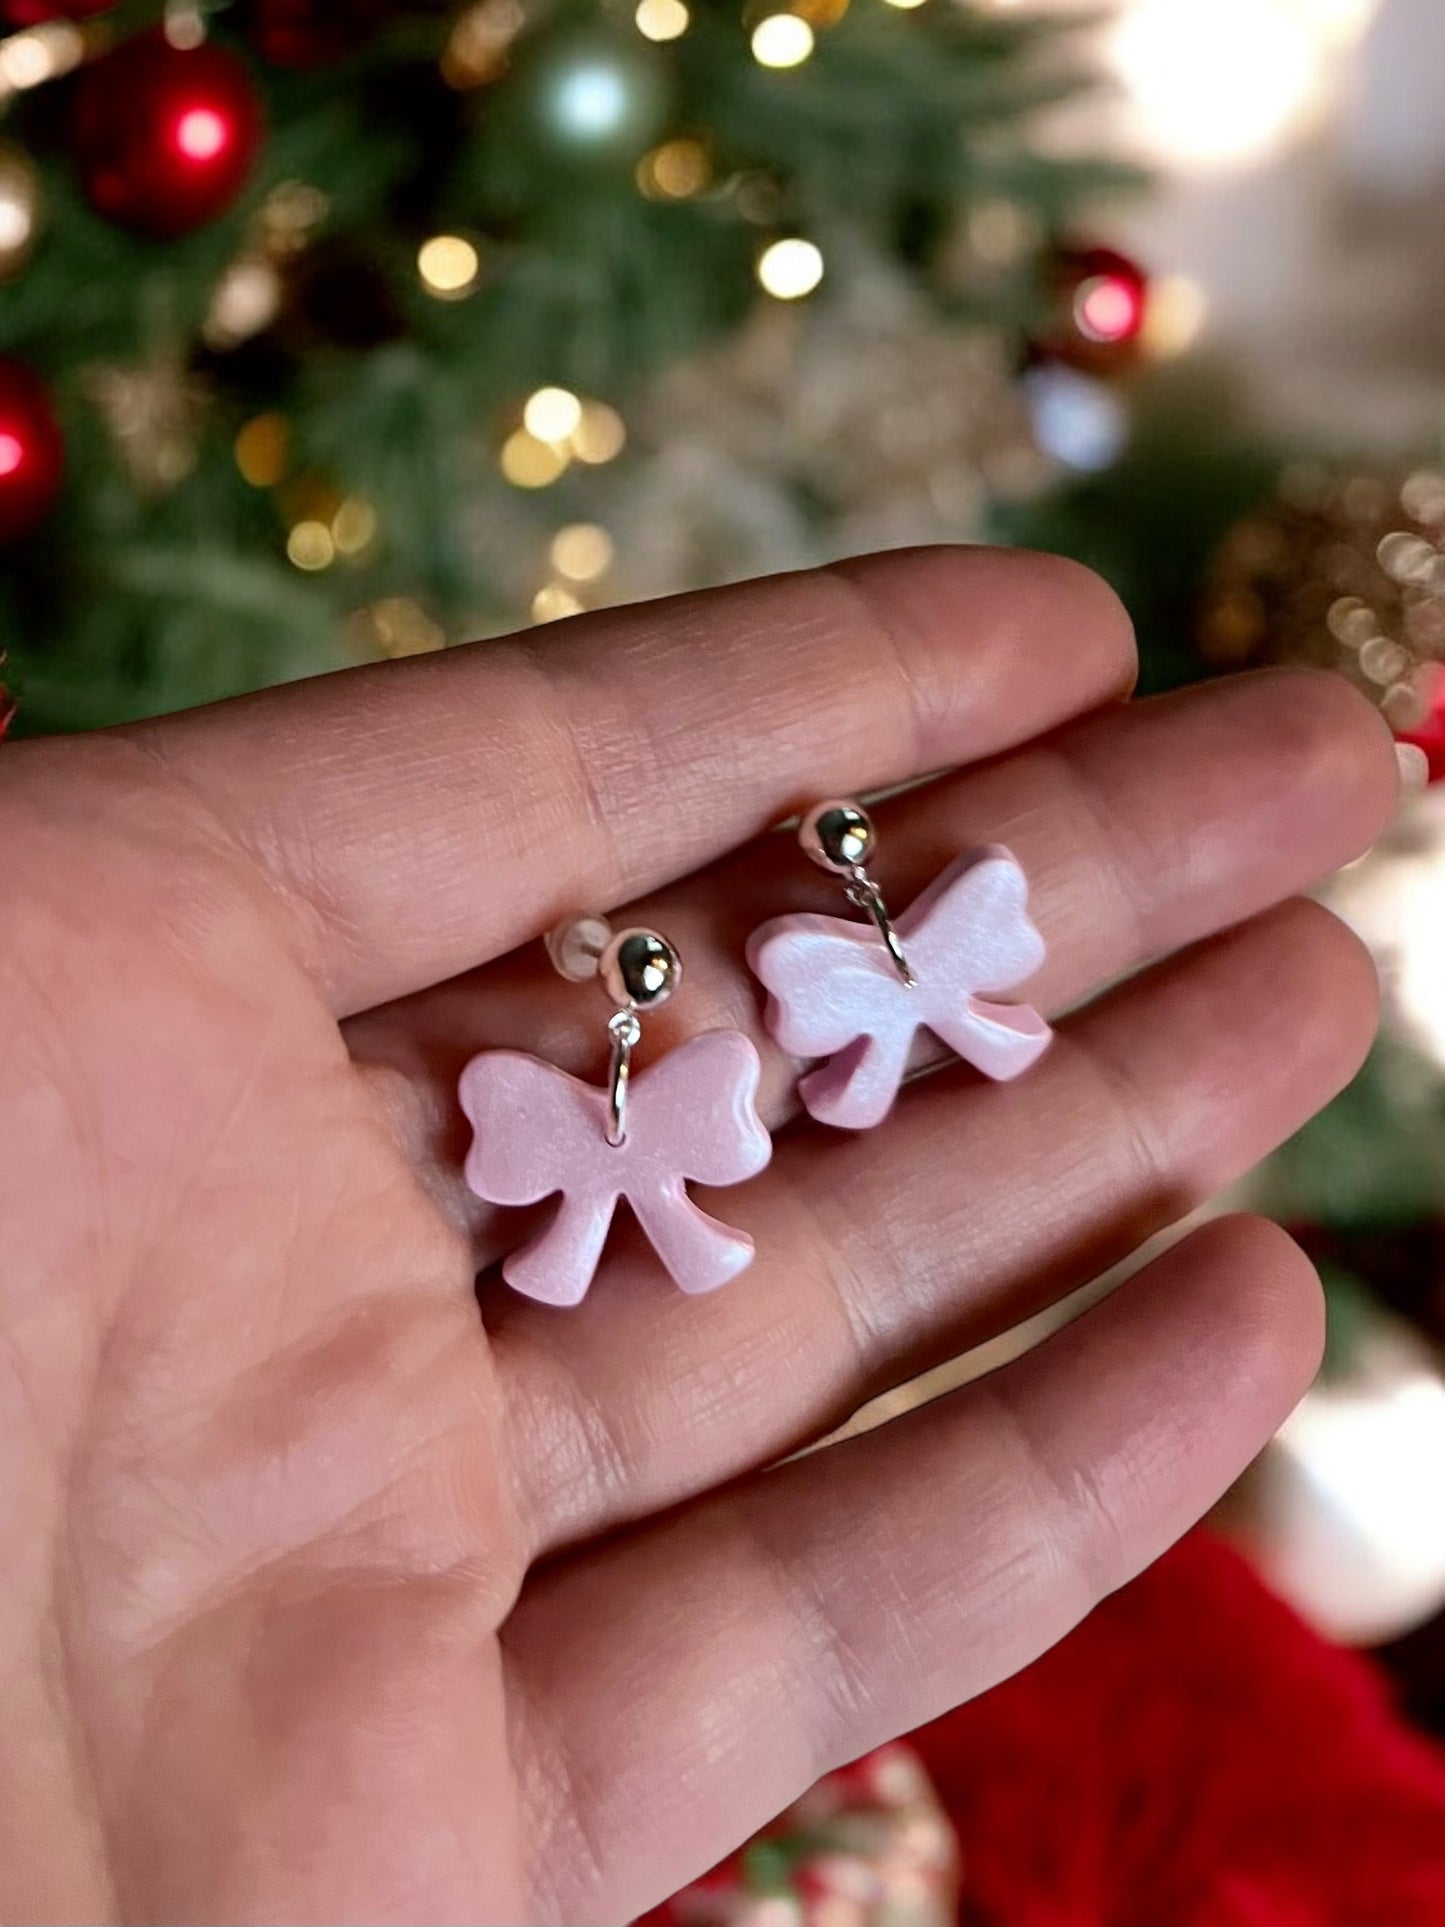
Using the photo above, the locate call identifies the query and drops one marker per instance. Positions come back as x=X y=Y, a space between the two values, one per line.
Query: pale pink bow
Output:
x=692 y=1116
x=834 y=992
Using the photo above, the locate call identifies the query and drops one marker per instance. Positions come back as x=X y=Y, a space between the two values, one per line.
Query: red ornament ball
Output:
x=31 y=13
x=1430 y=734
x=165 y=136
x=1098 y=307
x=32 y=453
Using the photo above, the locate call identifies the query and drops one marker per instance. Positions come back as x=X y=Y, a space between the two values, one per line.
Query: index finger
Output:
x=430 y=814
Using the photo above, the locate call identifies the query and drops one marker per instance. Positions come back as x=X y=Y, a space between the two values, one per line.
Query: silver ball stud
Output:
x=640 y=970
x=837 y=836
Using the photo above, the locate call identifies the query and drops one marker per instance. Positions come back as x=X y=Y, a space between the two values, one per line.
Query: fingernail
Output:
x=1414 y=766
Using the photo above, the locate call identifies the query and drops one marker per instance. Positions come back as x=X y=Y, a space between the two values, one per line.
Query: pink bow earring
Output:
x=856 y=993
x=692 y=1116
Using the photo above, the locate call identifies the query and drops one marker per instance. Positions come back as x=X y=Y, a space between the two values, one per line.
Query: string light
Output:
x=582 y=552
x=905 y=5
x=448 y=265
x=591 y=102
x=790 y=268
x=662 y=19
x=19 y=209
x=289 y=215
x=1174 y=316
x=184 y=25
x=310 y=546
x=558 y=428
x=552 y=414
x=247 y=299
x=43 y=53
x=782 y=40
x=675 y=171
x=353 y=527
x=1217 y=82
x=396 y=626
x=478 y=47
x=262 y=449
x=528 y=462
x=600 y=436
x=553 y=601
x=1383 y=662
x=1423 y=496
x=15 y=222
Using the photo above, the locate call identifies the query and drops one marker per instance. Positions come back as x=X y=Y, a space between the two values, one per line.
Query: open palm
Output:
x=329 y=1597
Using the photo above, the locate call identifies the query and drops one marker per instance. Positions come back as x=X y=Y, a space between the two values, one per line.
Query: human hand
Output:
x=325 y=1598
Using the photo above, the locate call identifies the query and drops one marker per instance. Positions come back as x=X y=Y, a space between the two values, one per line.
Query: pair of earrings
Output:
x=852 y=994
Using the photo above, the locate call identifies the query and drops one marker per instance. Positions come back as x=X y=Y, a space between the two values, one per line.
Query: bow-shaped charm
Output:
x=835 y=993
x=539 y=1132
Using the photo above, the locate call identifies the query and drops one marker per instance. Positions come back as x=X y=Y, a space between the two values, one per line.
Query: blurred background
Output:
x=332 y=330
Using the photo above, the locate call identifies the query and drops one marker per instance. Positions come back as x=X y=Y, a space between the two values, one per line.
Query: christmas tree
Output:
x=333 y=331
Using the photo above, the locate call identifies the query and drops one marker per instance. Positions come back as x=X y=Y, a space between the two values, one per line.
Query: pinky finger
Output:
x=676 y=1689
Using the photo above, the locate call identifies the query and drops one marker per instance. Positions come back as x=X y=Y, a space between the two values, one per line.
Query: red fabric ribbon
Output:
x=1193 y=1756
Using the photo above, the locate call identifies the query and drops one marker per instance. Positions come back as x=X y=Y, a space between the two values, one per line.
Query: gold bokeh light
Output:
x=582 y=552
x=782 y=40
x=600 y=436
x=310 y=546
x=662 y=19
x=353 y=527
x=552 y=414
x=790 y=268
x=263 y=449
x=529 y=462
x=448 y=265
x=553 y=601
x=42 y=53
x=675 y=171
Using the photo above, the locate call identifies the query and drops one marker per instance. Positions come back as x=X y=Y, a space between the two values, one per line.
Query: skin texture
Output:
x=327 y=1597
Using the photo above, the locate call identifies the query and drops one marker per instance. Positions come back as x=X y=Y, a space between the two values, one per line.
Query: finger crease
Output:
x=1119 y=882
x=905 y=651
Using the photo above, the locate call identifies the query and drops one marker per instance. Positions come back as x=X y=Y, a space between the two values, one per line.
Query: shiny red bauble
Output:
x=1098 y=302
x=31 y=13
x=1430 y=736
x=165 y=136
x=32 y=453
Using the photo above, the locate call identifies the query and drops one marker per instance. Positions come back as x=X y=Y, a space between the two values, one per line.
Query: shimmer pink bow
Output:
x=834 y=991
x=690 y=1117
